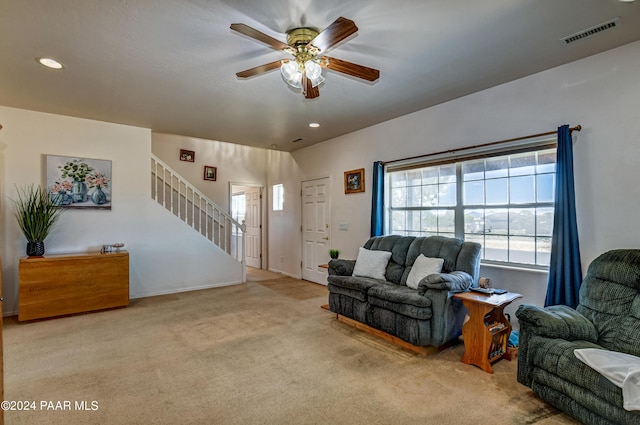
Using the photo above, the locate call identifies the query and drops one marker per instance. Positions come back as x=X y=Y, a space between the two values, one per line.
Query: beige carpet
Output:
x=258 y=353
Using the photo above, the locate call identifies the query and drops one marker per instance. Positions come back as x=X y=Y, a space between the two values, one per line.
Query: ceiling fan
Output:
x=307 y=46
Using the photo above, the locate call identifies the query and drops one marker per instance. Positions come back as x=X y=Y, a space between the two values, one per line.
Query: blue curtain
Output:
x=377 y=200
x=565 y=271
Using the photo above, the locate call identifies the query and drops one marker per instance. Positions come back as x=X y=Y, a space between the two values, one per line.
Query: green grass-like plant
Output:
x=36 y=212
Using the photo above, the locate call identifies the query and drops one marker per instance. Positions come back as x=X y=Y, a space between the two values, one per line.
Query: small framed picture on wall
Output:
x=210 y=173
x=186 y=155
x=354 y=181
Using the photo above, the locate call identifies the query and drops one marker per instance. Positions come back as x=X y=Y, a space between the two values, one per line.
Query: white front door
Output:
x=253 y=239
x=316 y=226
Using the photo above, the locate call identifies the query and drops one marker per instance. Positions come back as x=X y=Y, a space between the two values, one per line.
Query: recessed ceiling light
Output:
x=627 y=1
x=314 y=125
x=50 y=63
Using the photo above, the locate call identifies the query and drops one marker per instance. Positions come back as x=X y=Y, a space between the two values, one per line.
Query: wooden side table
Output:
x=487 y=331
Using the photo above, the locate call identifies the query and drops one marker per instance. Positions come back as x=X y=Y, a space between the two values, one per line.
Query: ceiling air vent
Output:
x=299 y=139
x=615 y=22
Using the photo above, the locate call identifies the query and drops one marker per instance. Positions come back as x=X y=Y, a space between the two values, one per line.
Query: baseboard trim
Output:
x=423 y=351
x=283 y=273
x=179 y=290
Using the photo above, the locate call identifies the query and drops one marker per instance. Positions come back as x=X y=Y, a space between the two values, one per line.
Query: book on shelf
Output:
x=498 y=346
x=495 y=327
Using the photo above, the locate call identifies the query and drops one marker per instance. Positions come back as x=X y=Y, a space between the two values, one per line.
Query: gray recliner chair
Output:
x=607 y=317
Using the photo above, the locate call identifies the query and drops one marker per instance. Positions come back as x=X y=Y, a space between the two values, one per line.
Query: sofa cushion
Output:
x=423 y=267
x=400 y=299
x=436 y=247
x=352 y=286
x=610 y=298
x=555 y=358
x=398 y=246
x=371 y=263
x=449 y=249
x=620 y=368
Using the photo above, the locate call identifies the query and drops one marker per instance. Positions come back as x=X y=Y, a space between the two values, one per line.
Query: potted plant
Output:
x=36 y=211
x=334 y=253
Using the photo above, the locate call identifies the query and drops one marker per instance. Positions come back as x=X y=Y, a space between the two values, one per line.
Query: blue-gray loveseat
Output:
x=426 y=316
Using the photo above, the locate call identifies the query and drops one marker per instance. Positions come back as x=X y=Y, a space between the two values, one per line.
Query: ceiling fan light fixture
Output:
x=314 y=73
x=291 y=74
x=307 y=46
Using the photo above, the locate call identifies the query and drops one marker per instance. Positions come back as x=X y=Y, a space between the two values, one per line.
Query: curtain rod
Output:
x=515 y=139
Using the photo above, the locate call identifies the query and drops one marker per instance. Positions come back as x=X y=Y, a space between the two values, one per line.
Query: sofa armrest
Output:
x=456 y=281
x=440 y=289
x=558 y=321
x=341 y=267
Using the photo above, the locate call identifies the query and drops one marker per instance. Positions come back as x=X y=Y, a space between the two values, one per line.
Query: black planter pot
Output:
x=35 y=249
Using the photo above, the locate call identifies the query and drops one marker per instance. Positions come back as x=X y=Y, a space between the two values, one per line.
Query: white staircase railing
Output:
x=193 y=207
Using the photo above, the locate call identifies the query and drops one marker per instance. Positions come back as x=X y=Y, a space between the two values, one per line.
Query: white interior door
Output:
x=253 y=221
x=316 y=220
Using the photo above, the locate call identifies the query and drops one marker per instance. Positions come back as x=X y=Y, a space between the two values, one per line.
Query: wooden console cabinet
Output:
x=58 y=285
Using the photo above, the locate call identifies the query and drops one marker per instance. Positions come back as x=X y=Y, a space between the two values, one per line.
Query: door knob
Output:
x=326 y=238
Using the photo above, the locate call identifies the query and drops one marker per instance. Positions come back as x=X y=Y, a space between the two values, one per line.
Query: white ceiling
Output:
x=169 y=65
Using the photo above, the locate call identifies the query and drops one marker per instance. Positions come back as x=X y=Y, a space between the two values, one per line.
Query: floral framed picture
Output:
x=354 y=181
x=210 y=173
x=186 y=155
x=79 y=183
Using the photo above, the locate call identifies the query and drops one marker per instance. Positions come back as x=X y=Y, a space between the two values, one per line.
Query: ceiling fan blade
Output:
x=340 y=29
x=255 y=34
x=259 y=69
x=350 y=68
x=310 y=92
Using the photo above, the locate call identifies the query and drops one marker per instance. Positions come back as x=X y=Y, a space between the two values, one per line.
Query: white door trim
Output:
x=263 y=217
x=321 y=273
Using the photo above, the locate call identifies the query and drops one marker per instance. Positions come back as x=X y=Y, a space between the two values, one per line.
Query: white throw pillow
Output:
x=371 y=263
x=422 y=267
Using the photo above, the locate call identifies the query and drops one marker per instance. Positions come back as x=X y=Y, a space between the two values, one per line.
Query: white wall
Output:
x=242 y=165
x=165 y=255
x=284 y=234
x=602 y=93
x=235 y=163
